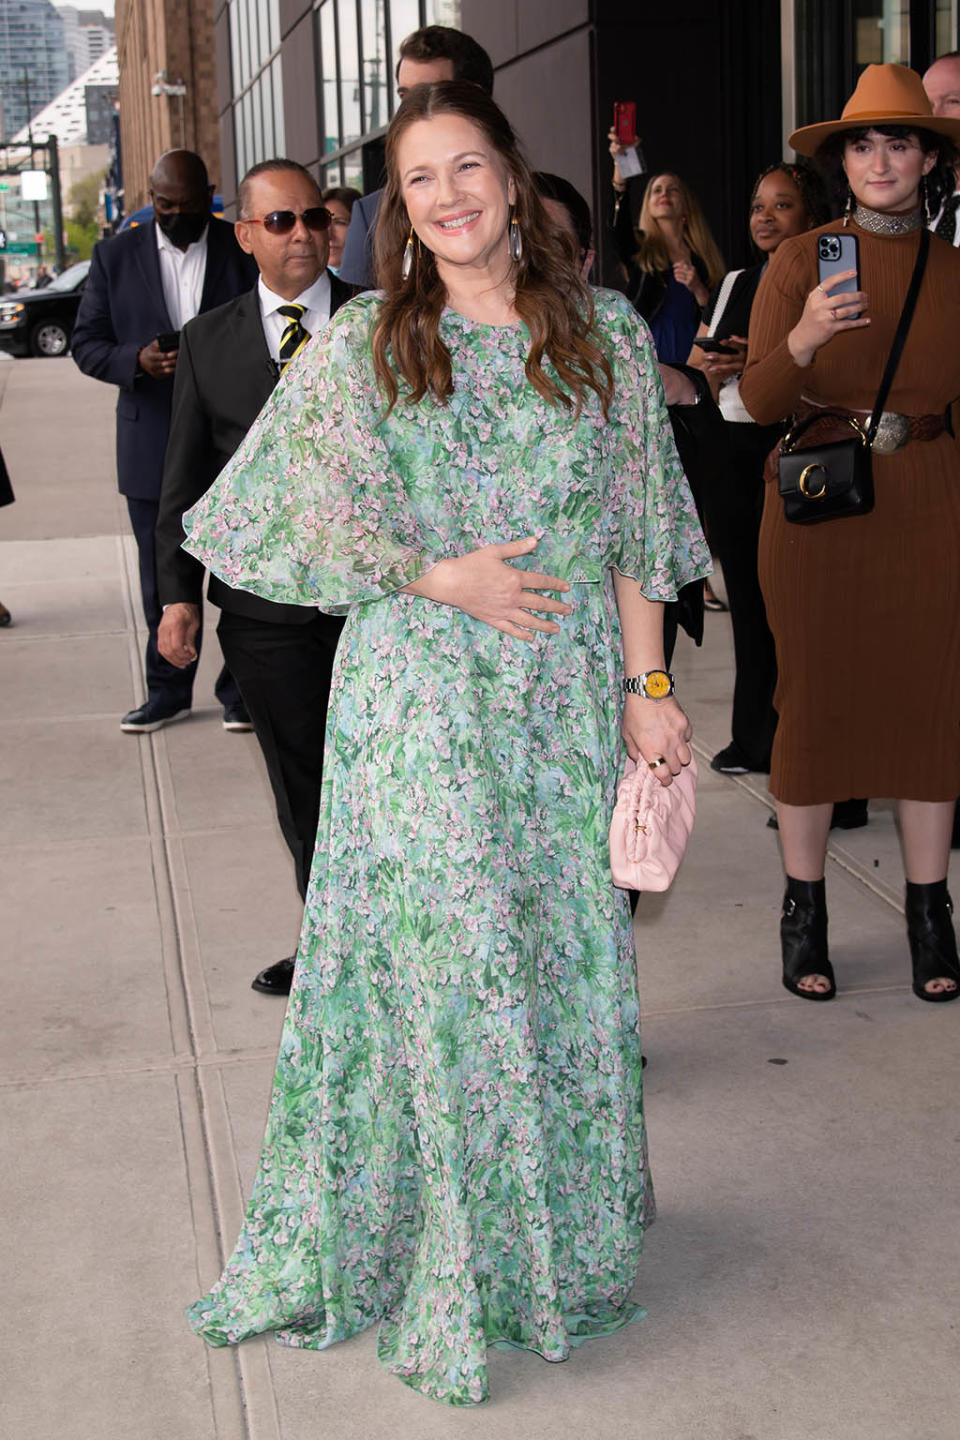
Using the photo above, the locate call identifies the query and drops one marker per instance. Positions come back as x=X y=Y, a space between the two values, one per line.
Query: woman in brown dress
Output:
x=864 y=609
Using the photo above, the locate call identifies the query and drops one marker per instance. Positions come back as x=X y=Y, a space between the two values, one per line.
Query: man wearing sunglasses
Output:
x=144 y=284
x=230 y=360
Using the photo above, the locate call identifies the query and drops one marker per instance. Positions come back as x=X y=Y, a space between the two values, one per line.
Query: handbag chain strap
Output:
x=900 y=339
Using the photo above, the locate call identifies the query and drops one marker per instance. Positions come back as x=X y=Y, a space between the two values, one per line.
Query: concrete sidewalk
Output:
x=801 y=1281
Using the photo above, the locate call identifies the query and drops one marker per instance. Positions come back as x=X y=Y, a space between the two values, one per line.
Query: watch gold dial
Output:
x=657 y=684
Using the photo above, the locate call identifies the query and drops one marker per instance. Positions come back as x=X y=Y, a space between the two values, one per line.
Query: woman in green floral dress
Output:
x=455 y=1147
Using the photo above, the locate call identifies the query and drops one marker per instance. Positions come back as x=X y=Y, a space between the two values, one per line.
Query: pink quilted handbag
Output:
x=651 y=826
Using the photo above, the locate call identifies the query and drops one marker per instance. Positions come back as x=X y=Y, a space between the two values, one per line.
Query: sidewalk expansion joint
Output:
x=835 y=853
x=241 y=1391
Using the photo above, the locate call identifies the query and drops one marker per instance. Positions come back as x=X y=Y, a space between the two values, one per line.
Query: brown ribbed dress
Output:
x=865 y=610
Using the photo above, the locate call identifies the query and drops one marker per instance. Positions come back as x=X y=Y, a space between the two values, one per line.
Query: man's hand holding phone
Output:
x=158 y=359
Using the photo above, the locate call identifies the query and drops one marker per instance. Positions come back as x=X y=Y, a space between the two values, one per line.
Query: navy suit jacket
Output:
x=356 y=263
x=122 y=310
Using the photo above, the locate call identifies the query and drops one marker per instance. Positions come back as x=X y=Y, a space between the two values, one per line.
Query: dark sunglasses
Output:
x=281 y=222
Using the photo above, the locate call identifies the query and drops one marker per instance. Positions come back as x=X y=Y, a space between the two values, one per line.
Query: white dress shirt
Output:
x=181 y=274
x=316 y=298
x=956 y=229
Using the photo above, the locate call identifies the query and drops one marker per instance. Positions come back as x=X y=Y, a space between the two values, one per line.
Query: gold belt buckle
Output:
x=893 y=432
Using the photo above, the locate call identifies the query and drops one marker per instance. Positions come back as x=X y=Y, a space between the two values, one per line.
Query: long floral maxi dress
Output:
x=456 y=1145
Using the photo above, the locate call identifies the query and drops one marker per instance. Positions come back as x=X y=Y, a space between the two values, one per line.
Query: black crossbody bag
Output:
x=825 y=482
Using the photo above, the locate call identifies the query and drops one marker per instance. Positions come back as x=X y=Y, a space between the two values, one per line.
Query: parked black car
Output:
x=40 y=322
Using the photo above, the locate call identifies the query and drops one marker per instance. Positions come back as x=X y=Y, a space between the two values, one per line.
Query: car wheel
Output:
x=49 y=338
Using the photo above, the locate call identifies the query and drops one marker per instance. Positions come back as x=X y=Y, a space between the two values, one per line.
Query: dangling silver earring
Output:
x=848 y=208
x=409 y=255
x=514 y=238
x=925 y=201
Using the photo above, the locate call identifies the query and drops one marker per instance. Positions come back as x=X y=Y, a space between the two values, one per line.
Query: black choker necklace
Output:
x=879 y=223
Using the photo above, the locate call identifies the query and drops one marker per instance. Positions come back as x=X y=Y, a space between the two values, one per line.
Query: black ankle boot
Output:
x=933 y=944
x=803 y=937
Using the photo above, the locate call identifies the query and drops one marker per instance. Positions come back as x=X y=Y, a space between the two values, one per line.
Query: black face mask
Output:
x=182 y=229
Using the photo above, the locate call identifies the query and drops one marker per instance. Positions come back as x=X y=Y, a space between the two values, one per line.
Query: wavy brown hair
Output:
x=653 y=253
x=550 y=297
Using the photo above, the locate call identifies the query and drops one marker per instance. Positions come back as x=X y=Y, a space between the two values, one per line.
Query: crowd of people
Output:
x=452 y=500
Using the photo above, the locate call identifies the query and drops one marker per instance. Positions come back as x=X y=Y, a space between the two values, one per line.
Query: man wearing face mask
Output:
x=144 y=285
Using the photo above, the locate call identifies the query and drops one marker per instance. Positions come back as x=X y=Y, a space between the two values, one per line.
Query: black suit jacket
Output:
x=122 y=310
x=224 y=377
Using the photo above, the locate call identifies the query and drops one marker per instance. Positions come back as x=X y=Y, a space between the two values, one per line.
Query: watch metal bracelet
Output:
x=651 y=685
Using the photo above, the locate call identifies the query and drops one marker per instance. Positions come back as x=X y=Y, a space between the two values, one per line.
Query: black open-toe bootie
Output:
x=803 y=937
x=933 y=944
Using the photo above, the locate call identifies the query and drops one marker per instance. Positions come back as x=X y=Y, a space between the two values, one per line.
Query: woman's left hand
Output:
x=686 y=273
x=657 y=730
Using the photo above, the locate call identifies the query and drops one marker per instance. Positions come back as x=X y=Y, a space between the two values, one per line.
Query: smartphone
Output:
x=168 y=340
x=715 y=347
x=625 y=121
x=834 y=254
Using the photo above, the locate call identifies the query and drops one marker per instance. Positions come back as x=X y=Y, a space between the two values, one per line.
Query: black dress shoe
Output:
x=5 y=616
x=276 y=979
x=732 y=761
x=151 y=716
x=237 y=719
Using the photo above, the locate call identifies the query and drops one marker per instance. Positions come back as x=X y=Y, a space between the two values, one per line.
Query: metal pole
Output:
x=33 y=166
x=59 y=248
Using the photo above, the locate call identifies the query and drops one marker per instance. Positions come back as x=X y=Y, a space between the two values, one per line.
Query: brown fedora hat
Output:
x=885 y=95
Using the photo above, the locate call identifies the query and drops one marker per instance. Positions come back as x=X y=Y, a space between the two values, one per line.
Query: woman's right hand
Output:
x=616 y=148
x=483 y=584
x=824 y=316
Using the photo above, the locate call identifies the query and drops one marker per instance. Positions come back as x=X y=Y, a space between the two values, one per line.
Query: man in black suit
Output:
x=281 y=655
x=144 y=284
x=437 y=52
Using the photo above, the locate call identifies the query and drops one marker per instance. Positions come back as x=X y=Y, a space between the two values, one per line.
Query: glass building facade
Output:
x=32 y=44
x=257 y=76
x=353 y=42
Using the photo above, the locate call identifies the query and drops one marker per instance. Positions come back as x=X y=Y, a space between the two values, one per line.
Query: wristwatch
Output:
x=652 y=685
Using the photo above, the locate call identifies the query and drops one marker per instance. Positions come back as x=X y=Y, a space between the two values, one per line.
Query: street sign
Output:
x=33 y=184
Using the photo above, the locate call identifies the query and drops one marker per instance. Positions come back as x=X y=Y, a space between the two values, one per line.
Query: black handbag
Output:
x=827 y=481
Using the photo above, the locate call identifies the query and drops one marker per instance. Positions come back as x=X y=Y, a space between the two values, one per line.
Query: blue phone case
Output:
x=836 y=253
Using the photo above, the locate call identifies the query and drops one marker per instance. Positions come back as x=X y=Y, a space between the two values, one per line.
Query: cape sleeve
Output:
x=651 y=532
x=311 y=510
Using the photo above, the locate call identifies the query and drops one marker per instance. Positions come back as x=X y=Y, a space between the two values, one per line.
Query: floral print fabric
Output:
x=455 y=1147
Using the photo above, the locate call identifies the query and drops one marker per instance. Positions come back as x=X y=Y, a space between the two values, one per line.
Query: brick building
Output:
x=172 y=39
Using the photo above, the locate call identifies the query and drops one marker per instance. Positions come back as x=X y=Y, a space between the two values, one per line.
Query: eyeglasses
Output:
x=281 y=222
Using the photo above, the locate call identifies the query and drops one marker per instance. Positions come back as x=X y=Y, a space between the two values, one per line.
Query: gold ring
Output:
x=655 y=764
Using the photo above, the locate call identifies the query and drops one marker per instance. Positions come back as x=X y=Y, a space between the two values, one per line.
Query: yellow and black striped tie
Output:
x=294 y=336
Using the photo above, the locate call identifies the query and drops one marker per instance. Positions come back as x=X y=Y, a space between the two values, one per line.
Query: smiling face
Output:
x=457 y=192
x=776 y=212
x=884 y=172
x=665 y=198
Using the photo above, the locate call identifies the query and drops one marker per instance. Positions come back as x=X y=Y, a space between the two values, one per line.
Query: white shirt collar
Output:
x=316 y=296
x=165 y=243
